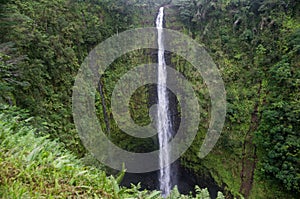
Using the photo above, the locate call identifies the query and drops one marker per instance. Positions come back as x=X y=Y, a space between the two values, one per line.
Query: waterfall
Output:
x=163 y=124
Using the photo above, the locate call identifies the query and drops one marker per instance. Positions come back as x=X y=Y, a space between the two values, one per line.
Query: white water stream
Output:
x=164 y=125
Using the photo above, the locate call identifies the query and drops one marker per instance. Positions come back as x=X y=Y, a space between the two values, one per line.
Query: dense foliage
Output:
x=42 y=46
x=36 y=167
x=256 y=45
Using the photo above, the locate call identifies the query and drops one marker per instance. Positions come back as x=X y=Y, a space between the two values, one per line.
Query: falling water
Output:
x=164 y=133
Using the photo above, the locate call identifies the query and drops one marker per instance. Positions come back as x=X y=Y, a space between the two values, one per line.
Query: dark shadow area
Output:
x=186 y=181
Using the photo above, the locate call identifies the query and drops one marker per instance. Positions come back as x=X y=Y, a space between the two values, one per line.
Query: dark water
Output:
x=186 y=181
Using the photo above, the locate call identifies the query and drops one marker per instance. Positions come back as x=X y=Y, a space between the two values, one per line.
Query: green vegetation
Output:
x=36 y=167
x=42 y=46
x=256 y=46
x=254 y=43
